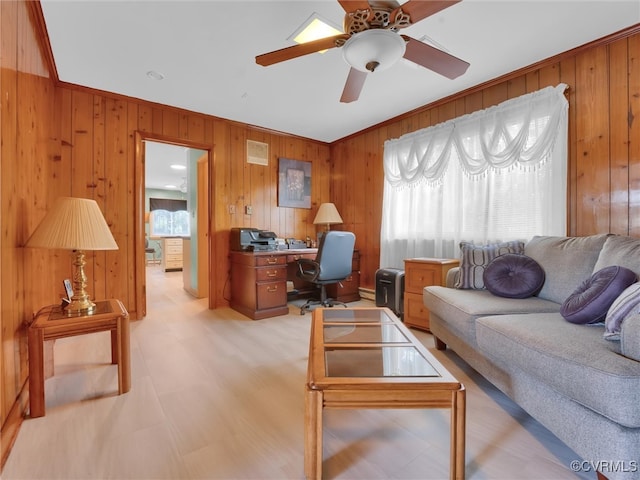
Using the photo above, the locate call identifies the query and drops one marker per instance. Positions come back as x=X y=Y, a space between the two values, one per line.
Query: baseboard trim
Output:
x=12 y=425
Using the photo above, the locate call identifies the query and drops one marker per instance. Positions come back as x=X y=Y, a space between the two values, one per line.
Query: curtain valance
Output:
x=167 y=204
x=519 y=131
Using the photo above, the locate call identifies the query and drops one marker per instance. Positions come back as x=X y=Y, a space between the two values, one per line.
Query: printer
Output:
x=252 y=239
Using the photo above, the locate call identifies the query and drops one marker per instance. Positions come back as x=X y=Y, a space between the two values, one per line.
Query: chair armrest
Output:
x=308 y=269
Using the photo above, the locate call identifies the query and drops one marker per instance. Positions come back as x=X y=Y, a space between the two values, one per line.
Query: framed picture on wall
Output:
x=294 y=183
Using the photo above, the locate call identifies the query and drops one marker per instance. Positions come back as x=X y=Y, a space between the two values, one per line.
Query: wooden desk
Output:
x=367 y=358
x=259 y=281
x=53 y=324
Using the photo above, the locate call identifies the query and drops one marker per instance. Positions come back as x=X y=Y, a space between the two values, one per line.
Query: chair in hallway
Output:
x=150 y=251
x=331 y=265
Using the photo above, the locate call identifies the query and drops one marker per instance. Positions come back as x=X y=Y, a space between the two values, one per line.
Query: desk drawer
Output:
x=349 y=291
x=267 y=261
x=271 y=294
x=271 y=273
x=297 y=256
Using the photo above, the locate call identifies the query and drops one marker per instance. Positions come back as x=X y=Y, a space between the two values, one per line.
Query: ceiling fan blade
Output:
x=434 y=59
x=353 y=87
x=419 y=9
x=353 y=5
x=296 y=51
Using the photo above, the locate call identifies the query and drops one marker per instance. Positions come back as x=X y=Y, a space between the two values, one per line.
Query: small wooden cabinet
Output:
x=420 y=273
x=171 y=254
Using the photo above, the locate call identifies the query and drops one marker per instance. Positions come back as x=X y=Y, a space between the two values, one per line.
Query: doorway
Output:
x=174 y=205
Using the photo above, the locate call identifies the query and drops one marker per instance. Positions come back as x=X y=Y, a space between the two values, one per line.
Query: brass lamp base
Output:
x=80 y=307
x=80 y=303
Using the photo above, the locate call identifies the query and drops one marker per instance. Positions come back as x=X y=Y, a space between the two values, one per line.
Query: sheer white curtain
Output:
x=493 y=175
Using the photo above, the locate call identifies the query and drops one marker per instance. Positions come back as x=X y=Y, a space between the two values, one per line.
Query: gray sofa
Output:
x=583 y=388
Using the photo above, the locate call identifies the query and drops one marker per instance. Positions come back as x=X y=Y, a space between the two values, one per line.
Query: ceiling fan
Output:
x=371 y=41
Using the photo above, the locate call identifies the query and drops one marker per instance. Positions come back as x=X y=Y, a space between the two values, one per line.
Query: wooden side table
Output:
x=54 y=323
x=420 y=273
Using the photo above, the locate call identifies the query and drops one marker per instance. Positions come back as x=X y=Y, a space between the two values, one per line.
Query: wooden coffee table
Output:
x=366 y=358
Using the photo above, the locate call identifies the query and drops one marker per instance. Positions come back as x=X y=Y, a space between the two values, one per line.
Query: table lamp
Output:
x=327 y=215
x=75 y=224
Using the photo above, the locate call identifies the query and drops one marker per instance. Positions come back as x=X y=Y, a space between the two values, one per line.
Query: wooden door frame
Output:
x=139 y=227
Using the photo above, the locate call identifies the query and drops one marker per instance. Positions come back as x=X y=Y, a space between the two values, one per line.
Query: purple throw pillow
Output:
x=513 y=275
x=590 y=302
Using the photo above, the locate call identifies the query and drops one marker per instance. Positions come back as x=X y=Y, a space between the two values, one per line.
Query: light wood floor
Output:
x=216 y=395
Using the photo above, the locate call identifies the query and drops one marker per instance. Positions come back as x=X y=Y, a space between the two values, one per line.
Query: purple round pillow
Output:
x=513 y=275
x=590 y=302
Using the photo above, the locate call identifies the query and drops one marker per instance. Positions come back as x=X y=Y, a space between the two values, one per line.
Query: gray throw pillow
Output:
x=627 y=303
x=475 y=258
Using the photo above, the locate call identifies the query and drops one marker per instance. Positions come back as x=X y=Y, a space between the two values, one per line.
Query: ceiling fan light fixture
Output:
x=374 y=49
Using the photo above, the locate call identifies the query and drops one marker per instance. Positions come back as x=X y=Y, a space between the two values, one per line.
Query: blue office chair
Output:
x=332 y=265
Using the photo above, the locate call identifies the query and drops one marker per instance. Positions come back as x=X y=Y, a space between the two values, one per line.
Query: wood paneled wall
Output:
x=29 y=181
x=604 y=143
x=65 y=140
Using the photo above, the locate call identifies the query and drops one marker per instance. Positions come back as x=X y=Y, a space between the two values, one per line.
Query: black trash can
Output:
x=390 y=289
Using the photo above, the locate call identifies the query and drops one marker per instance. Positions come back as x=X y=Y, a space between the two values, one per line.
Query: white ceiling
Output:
x=206 y=51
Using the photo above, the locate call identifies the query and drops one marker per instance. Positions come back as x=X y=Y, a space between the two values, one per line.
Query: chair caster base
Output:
x=329 y=303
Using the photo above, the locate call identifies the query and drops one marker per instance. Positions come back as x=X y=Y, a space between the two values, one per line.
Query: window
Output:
x=498 y=174
x=168 y=218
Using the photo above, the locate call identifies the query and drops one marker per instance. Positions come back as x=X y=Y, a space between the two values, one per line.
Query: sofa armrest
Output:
x=630 y=337
x=452 y=277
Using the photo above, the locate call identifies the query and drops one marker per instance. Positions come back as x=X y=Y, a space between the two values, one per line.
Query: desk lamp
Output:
x=75 y=224
x=327 y=215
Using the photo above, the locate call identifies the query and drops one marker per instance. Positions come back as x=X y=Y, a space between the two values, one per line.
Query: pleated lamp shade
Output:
x=327 y=215
x=73 y=224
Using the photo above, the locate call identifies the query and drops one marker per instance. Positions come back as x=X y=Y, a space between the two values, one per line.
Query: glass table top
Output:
x=392 y=361
x=356 y=316
x=364 y=333
x=370 y=343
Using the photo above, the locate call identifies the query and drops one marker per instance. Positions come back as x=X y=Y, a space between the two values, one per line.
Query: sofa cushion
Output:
x=626 y=304
x=566 y=261
x=513 y=276
x=475 y=258
x=572 y=359
x=620 y=250
x=593 y=297
x=461 y=308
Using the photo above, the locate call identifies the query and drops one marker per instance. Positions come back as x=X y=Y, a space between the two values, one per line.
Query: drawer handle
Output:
x=272 y=261
x=272 y=273
x=272 y=289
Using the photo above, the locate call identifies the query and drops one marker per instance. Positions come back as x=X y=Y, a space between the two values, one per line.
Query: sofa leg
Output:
x=440 y=345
